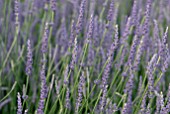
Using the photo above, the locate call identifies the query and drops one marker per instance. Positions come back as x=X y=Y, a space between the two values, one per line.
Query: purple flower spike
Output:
x=68 y=105
x=81 y=17
x=66 y=76
x=168 y=101
x=134 y=13
x=29 y=59
x=16 y=12
x=110 y=13
x=72 y=34
x=74 y=54
x=91 y=28
x=103 y=98
x=80 y=91
x=43 y=96
x=44 y=46
x=126 y=31
x=53 y=5
x=19 y=110
x=164 y=52
x=156 y=35
x=150 y=69
x=143 y=105
x=44 y=89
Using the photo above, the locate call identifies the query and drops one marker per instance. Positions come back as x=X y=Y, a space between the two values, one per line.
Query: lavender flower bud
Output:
x=44 y=46
x=44 y=89
x=140 y=86
x=91 y=28
x=129 y=84
x=162 y=111
x=74 y=54
x=19 y=102
x=164 y=39
x=143 y=105
x=150 y=69
x=29 y=59
x=96 y=81
x=139 y=54
x=122 y=59
x=110 y=13
x=156 y=34
x=53 y=5
x=107 y=70
x=16 y=12
x=96 y=30
x=147 y=16
x=134 y=13
x=24 y=96
x=146 y=23
x=165 y=52
x=135 y=42
x=116 y=14
x=148 y=110
x=66 y=76
x=63 y=33
x=103 y=98
x=42 y=72
x=115 y=44
x=90 y=55
x=57 y=87
x=126 y=31
x=81 y=16
x=67 y=104
x=125 y=109
x=158 y=105
x=80 y=91
x=168 y=101
x=133 y=50
x=43 y=96
x=116 y=40
x=72 y=35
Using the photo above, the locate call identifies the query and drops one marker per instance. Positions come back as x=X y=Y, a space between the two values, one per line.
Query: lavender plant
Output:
x=105 y=56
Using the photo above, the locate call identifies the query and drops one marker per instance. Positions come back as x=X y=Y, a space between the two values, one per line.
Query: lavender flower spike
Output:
x=143 y=105
x=91 y=28
x=150 y=68
x=168 y=100
x=134 y=13
x=67 y=104
x=110 y=13
x=16 y=12
x=164 y=52
x=19 y=110
x=53 y=5
x=103 y=98
x=164 y=40
x=44 y=90
x=66 y=76
x=29 y=59
x=72 y=34
x=45 y=39
x=81 y=16
x=43 y=95
x=80 y=91
x=74 y=54
x=107 y=69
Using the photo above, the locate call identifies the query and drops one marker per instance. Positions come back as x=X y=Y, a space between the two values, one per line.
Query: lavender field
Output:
x=84 y=57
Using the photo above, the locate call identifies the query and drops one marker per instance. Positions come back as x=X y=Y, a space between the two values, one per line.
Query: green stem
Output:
x=49 y=94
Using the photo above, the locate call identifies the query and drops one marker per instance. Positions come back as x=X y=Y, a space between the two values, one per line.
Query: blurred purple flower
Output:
x=19 y=102
x=29 y=59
